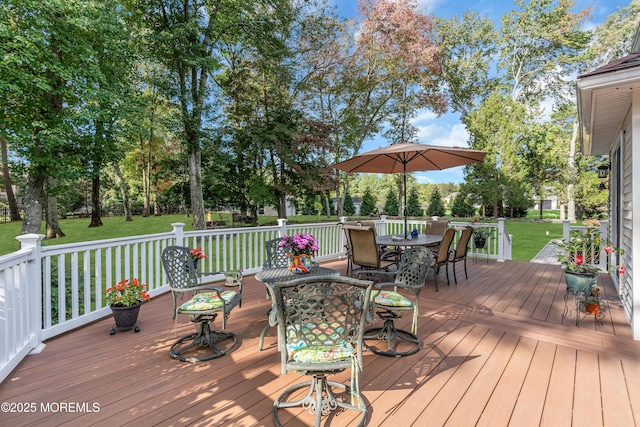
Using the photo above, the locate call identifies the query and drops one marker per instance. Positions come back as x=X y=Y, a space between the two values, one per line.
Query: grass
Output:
x=529 y=237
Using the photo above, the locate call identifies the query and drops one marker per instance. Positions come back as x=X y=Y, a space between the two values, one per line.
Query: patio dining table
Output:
x=399 y=240
x=269 y=276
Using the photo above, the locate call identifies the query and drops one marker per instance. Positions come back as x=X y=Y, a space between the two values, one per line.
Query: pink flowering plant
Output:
x=198 y=253
x=127 y=293
x=299 y=244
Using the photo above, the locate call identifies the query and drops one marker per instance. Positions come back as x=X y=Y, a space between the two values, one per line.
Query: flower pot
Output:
x=580 y=283
x=125 y=317
x=299 y=264
x=480 y=241
x=592 y=308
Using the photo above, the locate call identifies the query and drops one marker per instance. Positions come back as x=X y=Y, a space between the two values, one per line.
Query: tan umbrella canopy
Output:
x=409 y=157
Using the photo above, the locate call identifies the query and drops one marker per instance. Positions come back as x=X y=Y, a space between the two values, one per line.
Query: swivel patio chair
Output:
x=203 y=307
x=276 y=257
x=460 y=252
x=321 y=322
x=390 y=304
x=441 y=254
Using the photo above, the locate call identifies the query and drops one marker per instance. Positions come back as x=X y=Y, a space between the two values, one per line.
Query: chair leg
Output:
x=465 y=268
x=453 y=267
x=446 y=269
x=320 y=400
x=435 y=276
x=204 y=338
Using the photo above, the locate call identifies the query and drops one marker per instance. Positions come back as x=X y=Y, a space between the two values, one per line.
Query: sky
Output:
x=448 y=129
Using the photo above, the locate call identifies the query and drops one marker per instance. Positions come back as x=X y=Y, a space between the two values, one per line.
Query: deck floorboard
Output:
x=496 y=352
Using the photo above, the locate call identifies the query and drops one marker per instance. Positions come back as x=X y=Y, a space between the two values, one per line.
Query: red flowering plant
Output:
x=127 y=293
x=610 y=250
x=582 y=252
x=198 y=253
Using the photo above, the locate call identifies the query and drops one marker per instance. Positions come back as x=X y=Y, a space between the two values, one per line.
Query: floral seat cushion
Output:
x=326 y=345
x=391 y=299
x=207 y=301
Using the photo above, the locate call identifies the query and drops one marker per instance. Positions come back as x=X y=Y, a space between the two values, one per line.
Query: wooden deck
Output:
x=495 y=354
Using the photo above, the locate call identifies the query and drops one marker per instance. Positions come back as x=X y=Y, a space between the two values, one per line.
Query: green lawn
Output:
x=529 y=237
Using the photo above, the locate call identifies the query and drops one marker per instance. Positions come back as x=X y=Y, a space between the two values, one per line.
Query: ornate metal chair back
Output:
x=414 y=267
x=179 y=267
x=276 y=255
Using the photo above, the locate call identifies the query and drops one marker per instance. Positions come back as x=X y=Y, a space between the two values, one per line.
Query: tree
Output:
x=50 y=74
x=184 y=37
x=391 y=203
x=413 y=203
x=368 y=205
x=436 y=207
x=462 y=208
x=349 y=207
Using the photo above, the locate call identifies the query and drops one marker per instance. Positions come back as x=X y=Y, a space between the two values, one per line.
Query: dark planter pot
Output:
x=580 y=283
x=479 y=242
x=125 y=317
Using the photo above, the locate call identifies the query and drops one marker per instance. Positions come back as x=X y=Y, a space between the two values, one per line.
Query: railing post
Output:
x=282 y=223
x=343 y=237
x=501 y=239
x=178 y=233
x=566 y=235
x=34 y=288
x=384 y=230
x=604 y=238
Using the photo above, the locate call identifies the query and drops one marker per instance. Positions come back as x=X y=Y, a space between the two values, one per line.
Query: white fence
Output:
x=48 y=290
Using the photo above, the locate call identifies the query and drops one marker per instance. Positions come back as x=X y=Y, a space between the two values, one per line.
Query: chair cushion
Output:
x=207 y=301
x=391 y=299
x=301 y=351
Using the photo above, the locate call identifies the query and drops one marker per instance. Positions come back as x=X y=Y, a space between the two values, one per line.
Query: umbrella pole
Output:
x=404 y=190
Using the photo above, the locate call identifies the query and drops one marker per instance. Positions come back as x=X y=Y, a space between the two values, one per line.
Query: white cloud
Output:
x=445 y=130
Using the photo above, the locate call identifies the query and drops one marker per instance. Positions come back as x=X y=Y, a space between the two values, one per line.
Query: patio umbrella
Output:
x=409 y=157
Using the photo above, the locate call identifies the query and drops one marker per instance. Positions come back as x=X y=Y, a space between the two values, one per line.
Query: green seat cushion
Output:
x=207 y=301
x=326 y=345
x=391 y=299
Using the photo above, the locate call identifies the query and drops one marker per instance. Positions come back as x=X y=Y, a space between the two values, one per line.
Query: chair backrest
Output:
x=321 y=312
x=179 y=266
x=443 y=250
x=463 y=244
x=362 y=246
x=437 y=227
x=276 y=254
x=414 y=266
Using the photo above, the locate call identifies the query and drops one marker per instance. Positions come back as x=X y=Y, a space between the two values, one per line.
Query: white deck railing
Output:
x=33 y=279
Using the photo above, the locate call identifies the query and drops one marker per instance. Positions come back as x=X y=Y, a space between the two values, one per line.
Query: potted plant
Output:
x=299 y=248
x=578 y=256
x=592 y=301
x=196 y=255
x=480 y=235
x=125 y=300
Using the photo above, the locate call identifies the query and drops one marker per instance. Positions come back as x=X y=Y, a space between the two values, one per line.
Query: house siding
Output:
x=625 y=288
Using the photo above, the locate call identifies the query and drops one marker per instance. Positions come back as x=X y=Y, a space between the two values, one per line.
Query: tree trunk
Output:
x=123 y=192
x=14 y=212
x=96 y=221
x=146 y=172
x=195 y=185
x=53 y=229
x=327 y=203
x=33 y=195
